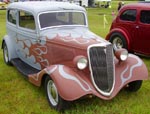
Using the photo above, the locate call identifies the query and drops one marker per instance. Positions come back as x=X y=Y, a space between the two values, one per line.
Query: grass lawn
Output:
x=18 y=96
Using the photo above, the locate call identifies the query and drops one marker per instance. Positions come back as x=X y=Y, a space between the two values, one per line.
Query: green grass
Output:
x=18 y=96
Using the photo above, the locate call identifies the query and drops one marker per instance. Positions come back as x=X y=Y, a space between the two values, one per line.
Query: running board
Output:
x=24 y=68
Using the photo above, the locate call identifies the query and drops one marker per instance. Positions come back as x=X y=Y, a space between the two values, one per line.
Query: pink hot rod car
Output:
x=50 y=44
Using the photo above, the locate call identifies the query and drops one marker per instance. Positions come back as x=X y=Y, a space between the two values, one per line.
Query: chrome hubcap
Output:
x=117 y=43
x=52 y=93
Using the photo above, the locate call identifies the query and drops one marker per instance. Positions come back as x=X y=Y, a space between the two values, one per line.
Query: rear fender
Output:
x=123 y=33
x=10 y=46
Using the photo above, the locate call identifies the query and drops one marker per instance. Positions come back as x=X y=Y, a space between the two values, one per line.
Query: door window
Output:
x=11 y=16
x=128 y=15
x=145 y=17
x=26 y=20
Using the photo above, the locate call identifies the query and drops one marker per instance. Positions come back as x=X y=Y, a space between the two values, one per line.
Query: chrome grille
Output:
x=102 y=67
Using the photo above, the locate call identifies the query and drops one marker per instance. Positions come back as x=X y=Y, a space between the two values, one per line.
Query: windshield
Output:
x=61 y=18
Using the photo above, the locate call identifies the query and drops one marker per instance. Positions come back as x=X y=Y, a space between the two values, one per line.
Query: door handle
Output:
x=137 y=27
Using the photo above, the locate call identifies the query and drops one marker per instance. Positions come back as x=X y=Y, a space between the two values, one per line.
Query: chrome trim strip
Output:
x=99 y=90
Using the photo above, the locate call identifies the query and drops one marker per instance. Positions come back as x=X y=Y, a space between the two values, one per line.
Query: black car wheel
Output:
x=118 y=41
x=134 y=86
x=53 y=97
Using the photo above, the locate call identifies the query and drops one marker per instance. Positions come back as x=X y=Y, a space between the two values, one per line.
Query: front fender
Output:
x=70 y=85
x=130 y=70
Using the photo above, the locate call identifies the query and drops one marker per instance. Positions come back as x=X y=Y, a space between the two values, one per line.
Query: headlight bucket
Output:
x=121 y=54
x=81 y=62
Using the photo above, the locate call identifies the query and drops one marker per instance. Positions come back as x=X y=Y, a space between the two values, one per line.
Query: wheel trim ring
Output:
x=117 y=43
x=51 y=90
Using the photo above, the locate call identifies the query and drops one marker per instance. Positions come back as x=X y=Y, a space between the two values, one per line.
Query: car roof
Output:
x=42 y=6
x=140 y=5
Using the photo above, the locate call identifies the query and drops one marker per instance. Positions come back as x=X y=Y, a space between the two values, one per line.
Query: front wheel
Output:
x=134 y=86
x=53 y=97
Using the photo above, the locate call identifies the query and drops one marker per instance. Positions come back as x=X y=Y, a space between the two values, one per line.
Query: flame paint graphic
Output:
x=69 y=38
x=139 y=63
x=73 y=78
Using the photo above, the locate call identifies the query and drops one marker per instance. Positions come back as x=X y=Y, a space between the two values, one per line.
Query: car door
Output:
x=27 y=38
x=142 y=42
x=11 y=24
x=127 y=21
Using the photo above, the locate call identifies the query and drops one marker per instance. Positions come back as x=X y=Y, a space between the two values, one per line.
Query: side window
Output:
x=128 y=15
x=145 y=17
x=11 y=16
x=26 y=20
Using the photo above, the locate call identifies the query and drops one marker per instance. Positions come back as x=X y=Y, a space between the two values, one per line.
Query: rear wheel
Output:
x=6 y=54
x=53 y=97
x=118 y=41
x=134 y=86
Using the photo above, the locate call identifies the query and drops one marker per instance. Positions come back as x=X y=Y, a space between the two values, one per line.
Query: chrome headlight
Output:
x=121 y=54
x=82 y=63
x=124 y=55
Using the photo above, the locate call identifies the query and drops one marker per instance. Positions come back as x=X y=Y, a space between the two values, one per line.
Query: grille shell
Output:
x=102 y=68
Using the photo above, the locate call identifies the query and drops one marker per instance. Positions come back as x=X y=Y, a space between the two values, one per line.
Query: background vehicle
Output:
x=50 y=44
x=3 y=5
x=103 y=3
x=131 y=28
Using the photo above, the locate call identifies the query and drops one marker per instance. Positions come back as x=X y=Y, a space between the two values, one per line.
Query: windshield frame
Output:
x=84 y=14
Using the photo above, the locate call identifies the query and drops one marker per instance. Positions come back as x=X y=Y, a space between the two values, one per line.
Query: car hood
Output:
x=78 y=37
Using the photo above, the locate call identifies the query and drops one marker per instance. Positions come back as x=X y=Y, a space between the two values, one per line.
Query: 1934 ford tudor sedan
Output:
x=50 y=44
